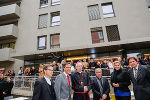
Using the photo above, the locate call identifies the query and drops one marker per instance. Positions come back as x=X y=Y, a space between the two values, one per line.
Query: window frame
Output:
x=39 y=21
x=99 y=32
x=51 y=17
x=51 y=46
x=57 y=3
x=113 y=12
x=42 y=47
x=45 y=5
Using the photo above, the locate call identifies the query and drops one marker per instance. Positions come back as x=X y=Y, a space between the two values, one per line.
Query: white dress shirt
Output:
x=48 y=80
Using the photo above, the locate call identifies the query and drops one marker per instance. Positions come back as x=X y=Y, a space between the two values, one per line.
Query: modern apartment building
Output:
x=40 y=31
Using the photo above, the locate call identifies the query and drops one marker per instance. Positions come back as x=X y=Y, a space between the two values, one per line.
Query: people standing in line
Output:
x=63 y=84
x=2 y=86
x=104 y=64
x=100 y=86
x=41 y=73
x=8 y=87
x=81 y=83
x=33 y=71
x=140 y=77
x=20 y=72
x=120 y=81
x=44 y=88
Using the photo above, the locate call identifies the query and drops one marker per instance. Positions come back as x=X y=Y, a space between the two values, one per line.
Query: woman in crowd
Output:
x=120 y=81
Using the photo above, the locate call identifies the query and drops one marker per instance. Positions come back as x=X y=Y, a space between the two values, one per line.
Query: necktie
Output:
x=68 y=80
x=135 y=74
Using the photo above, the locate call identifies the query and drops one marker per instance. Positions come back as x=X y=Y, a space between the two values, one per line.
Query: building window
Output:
x=55 y=18
x=108 y=10
x=43 y=21
x=112 y=33
x=42 y=42
x=55 y=2
x=97 y=35
x=148 y=2
x=93 y=12
x=54 y=41
x=7 y=45
x=43 y=3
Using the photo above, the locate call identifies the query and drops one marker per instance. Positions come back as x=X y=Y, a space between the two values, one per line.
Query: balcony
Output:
x=8 y=32
x=6 y=2
x=5 y=55
x=9 y=12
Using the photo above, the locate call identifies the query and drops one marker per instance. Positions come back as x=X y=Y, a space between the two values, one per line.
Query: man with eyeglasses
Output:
x=44 y=88
x=63 y=84
x=100 y=86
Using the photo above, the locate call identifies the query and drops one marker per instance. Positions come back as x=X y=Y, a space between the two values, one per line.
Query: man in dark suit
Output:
x=2 y=86
x=63 y=84
x=44 y=88
x=140 y=77
x=8 y=87
x=100 y=86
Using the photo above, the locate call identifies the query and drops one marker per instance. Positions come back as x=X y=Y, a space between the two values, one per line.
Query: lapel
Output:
x=139 y=73
x=65 y=80
x=132 y=75
x=46 y=84
x=100 y=85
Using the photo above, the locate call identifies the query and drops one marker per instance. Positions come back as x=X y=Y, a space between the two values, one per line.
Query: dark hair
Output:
x=46 y=66
x=132 y=58
x=64 y=65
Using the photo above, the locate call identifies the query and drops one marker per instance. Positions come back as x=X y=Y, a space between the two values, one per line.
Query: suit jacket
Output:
x=43 y=91
x=96 y=89
x=63 y=92
x=141 y=86
x=8 y=88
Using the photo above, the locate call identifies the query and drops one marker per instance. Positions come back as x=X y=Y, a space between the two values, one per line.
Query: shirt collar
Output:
x=47 y=80
x=65 y=74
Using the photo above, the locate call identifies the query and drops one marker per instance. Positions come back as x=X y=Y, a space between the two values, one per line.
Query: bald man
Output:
x=81 y=83
x=100 y=86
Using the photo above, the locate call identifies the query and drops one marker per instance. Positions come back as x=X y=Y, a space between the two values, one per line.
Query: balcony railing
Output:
x=9 y=12
x=8 y=31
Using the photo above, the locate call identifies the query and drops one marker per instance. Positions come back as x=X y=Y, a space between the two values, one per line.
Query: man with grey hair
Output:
x=100 y=86
x=44 y=88
x=63 y=84
x=81 y=83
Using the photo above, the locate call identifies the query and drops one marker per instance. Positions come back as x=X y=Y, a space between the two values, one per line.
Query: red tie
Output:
x=68 y=80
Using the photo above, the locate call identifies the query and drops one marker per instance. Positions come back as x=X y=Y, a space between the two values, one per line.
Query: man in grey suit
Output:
x=140 y=77
x=63 y=84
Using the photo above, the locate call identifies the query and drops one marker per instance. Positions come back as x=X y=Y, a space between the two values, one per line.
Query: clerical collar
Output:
x=80 y=72
x=47 y=80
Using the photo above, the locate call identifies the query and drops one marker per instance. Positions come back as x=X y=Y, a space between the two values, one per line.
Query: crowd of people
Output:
x=90 y=64
x=81 y=83
x=75 y=75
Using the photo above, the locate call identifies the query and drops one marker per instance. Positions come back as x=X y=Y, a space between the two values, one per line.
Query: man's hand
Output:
x=85 y=89
x=115 y=85
x=4 y=93
x=104 y=96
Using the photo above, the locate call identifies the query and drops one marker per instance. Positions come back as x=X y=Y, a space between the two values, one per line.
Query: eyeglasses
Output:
x=49 y=69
